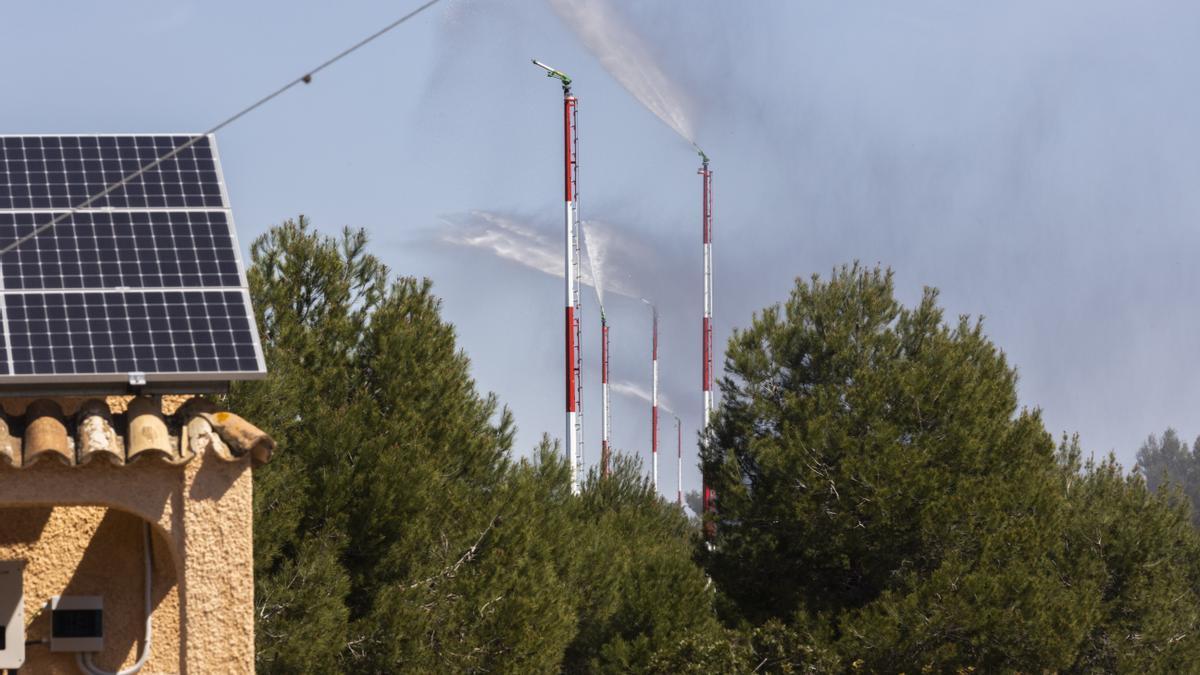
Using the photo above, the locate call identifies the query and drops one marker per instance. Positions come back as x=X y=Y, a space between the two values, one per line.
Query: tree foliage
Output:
x=1167 y=463
x=883 y=504
x=880 y=494
x=1137 y=556
x=395 y=532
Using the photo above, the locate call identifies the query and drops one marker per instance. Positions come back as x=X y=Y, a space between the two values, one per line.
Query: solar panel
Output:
x=146 y=249
x=56 y=172
x=144 y=287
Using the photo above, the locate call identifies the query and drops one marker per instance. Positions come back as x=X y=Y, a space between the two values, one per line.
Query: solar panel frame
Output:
x=173 y=380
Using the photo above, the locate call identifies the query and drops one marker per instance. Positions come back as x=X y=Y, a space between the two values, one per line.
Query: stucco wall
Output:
x=82 y=550
x=80 y=530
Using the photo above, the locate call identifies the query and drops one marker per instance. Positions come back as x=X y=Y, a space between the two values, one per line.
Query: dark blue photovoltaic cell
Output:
x=55 y=172
x=162 y=332
x=140 y=249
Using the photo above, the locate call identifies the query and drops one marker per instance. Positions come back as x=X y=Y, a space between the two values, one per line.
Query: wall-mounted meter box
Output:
x=77 y=623
x=12 y=615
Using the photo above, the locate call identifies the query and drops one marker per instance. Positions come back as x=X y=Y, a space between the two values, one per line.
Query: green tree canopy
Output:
x=883 y=504
x=876 y=480
x=1167 y=462
x=395 y=532
x=1137 y=553
x=386 y=440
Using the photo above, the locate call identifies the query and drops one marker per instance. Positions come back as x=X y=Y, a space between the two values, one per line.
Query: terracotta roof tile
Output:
x=124 y=430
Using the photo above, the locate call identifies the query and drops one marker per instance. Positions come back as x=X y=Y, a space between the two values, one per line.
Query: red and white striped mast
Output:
x=572 y=349
x=654 y=401
x=605 y=451
x=653 y=395
x=708 y=306
x=679 y=463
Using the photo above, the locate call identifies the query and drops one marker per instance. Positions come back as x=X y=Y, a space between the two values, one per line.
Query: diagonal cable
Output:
x=305 y=79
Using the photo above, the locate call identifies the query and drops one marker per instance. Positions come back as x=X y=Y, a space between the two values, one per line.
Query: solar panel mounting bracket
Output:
x=137 y=379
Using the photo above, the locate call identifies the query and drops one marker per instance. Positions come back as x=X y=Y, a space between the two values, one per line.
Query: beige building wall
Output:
x=89 y=550
x=79 y=529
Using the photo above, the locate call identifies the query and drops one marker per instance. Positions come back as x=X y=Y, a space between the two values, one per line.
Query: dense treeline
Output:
x=884 y=504
x=1168 y=465
x=397 y=532
x=883 y=497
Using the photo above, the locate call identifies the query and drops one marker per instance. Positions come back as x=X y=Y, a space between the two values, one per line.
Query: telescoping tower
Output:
x=605 y=448
x=706 y=368
x=679 y=461
x=574 y=421
x=653 y=395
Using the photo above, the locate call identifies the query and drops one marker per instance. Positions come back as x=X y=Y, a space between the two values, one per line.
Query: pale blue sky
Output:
x=1037 y=161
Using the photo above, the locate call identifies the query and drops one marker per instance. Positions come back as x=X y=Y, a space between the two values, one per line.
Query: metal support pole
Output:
x=654 y=400
x=679 y=463
x=571 y=246
x=706 y=211
x=605 y=451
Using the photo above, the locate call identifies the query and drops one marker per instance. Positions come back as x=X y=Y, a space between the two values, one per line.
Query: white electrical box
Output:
x=12 y=615
x=77 y=623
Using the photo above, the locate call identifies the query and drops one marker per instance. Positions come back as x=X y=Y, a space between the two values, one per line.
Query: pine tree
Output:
x=386 y=442
x=500 y=602
x=883 y=504
x=1167 y=463
x=640 y=592
x=395 y=533
x=1139 y=552
x=878 y=486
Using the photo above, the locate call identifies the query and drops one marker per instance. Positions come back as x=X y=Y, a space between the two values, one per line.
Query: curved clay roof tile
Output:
x=10 y=448
x=91 y=434
x=46 y=434
x=199 y=436
x=243 y=437
x=95 y=436
x=148 y=434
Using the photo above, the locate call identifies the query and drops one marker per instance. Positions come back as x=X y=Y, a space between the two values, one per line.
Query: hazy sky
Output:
x=1039 y=162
